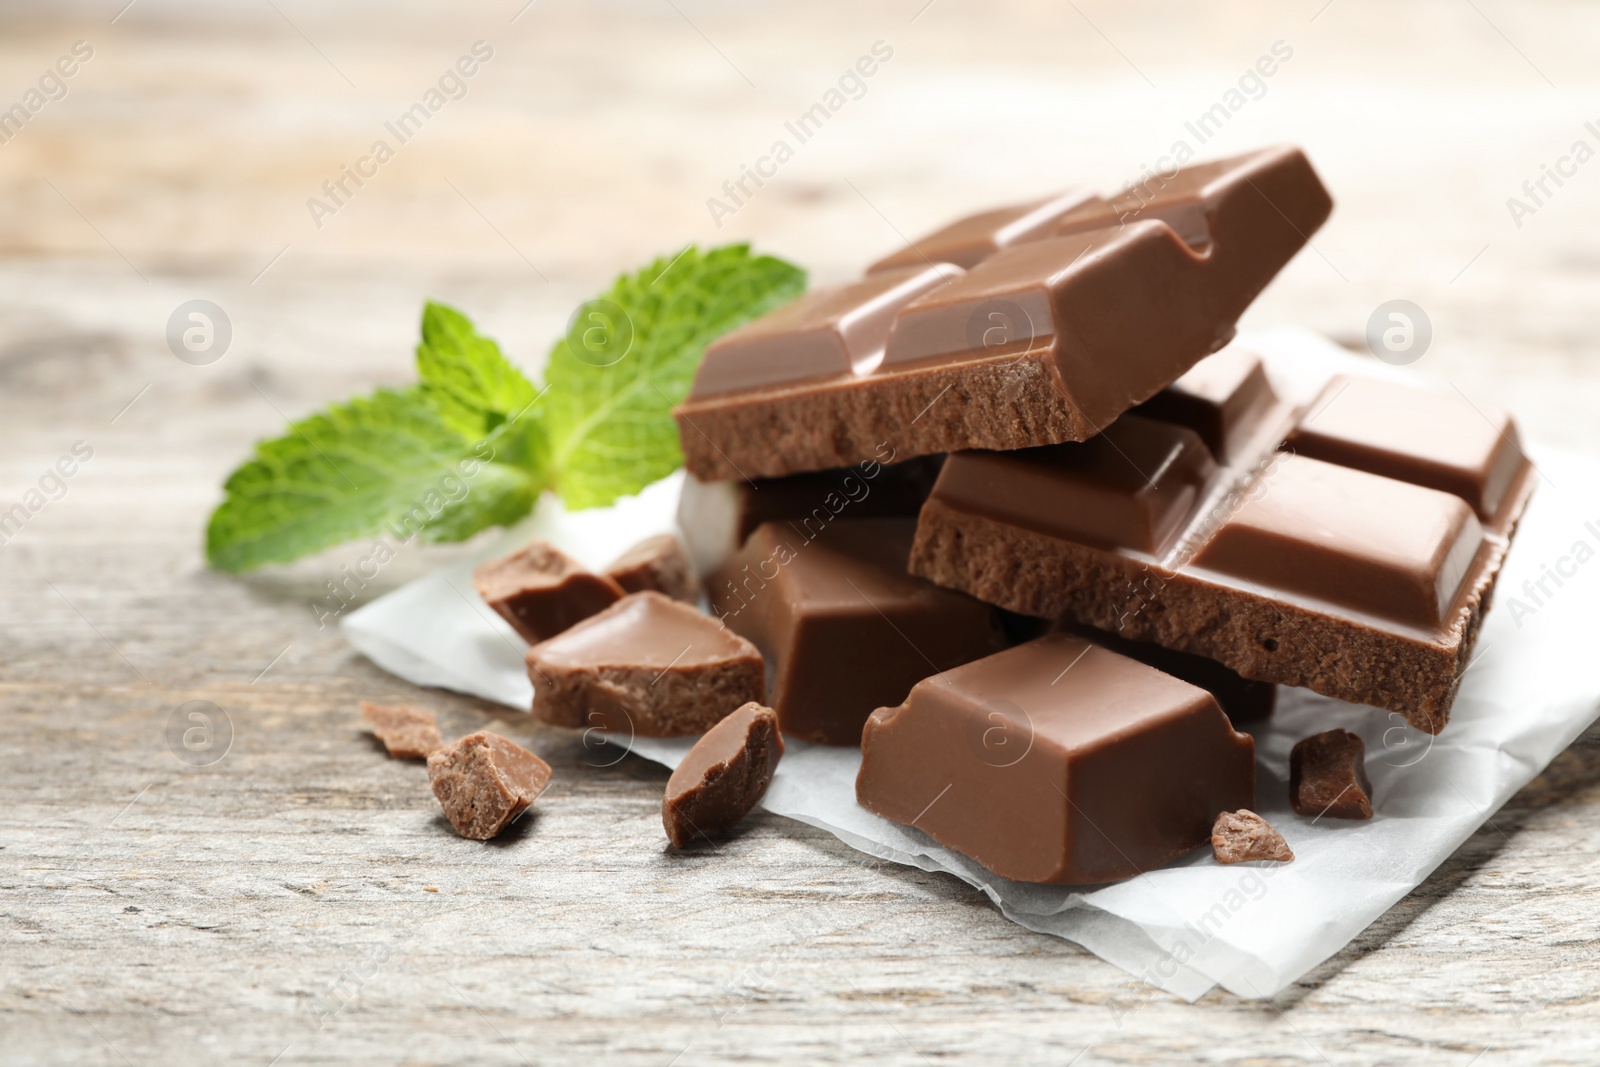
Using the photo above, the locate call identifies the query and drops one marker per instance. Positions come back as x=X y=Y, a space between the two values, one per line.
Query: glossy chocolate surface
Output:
x=542 y=591
x=843 y=627
x=723 y=776
x=1043 y=340
x=1057 y=761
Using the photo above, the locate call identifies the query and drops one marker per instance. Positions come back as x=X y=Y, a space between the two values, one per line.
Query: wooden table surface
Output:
x=301 y=899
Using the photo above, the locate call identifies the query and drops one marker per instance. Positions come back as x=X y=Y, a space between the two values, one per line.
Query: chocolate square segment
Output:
x=1057 y=761
x=844 y=629
x=1368 y=544
x=1222 y=398
x=967 y=242
x=823 y=334
x=1134 y=486
x=1423 y=436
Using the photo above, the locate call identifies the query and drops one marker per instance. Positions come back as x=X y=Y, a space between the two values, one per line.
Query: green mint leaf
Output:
x=630 y=357
x=464 y=374
x=384 y=464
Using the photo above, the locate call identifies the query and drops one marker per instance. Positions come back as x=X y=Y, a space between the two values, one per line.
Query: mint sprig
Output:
x=474 y=443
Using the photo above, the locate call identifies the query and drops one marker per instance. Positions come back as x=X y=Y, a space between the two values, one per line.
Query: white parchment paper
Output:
x=1533 y=687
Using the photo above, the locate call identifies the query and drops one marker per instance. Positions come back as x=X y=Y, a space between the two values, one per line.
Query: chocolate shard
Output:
x=1245 y=837
x=540 y=590
x=407 y=733
x=724 y=775
x=1057 y=761
x=843 y=627
x=1259 y=558
x=648 y=666
x=1043 y=341
x=717 y=517
x=1328 y=776
x=484 y=781
x=656 y=563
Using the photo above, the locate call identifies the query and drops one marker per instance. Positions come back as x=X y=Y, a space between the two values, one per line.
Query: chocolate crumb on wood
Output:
x=484 y=781
x=408 y=733
x=1243 y=836
x=541 y=591
x=1328 y=776
x=724 y=775
x=657 y=563
x=648 y=666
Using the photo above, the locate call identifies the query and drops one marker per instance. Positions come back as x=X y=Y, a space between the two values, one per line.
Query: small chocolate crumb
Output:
x=541 y=591
x=723 y=776
x=1241 y=836
x=657 y=563
x=408 y=733
x=1327 y=776
x=484 y=781
x=430 y=889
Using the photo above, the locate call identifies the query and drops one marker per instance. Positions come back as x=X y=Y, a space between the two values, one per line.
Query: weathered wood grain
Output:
x=280 y=903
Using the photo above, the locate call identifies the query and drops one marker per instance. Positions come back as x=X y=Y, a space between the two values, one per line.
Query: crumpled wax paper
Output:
x=1532 y=688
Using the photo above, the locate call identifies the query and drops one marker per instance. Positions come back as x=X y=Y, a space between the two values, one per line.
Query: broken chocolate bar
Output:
x=1057 y=761
x=1328 y=776
x=648 y=666
x=540 y=590
x=716 y=517
x=1367 y=583
x=657 y=563
x=484 y=781
x=1047 y=338
x=1245 y=837
x=842 y=625
x=407 y=733
x=724 y=775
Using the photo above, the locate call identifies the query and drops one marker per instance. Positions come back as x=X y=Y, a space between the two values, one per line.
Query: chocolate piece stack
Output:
x=1023 y=411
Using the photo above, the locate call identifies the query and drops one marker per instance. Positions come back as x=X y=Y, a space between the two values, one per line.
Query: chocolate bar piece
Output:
x=1242 y=699
x=1047 y=338
x=1328 y=776
x=483 y=782
x=540 y=590
x=407 y=733
x=1057 y=761
x=648 y=666
x=1367 y=583
x=842 y=625
x=724 y=775
x=1244 y=837
x=657 y=563
x=716 y=517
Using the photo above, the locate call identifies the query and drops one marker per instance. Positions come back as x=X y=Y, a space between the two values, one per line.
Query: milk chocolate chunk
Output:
x=724 y=775
x=657 y=563
x=1242 y=699
x=1360 y=582
x=407 y=733
x=716 y=517
x=1328 y=776
x=1426 y=437
x=1244 y=837
x=1043 y=341
x=540 y=590
x=483 y=782
x=843 y=627
x=648 y=666
x=1057 y=761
